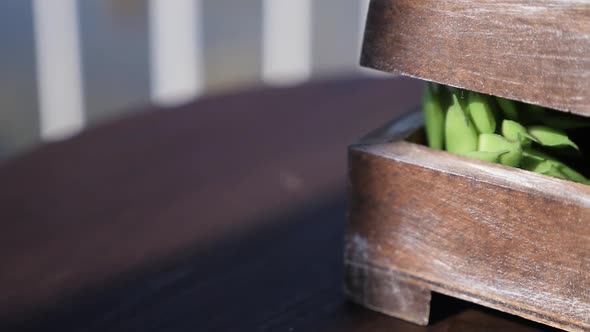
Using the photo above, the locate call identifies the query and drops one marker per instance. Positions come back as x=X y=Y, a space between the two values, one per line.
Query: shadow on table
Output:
x=285 y=276
x=265 y=276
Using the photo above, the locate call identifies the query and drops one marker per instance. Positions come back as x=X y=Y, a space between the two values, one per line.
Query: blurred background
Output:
x=67 y=65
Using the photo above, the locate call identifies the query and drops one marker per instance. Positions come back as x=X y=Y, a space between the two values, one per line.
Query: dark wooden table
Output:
x=223 y=215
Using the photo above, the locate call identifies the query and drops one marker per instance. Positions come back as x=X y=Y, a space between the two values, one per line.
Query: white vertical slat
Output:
x=287 y=26
x=176 y=50
x=58 y=68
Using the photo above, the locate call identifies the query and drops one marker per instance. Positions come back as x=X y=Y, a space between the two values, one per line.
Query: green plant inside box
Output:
x=507 y=132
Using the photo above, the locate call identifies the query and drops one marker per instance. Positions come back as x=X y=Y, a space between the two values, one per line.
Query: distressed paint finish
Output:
x=537 y=51
x=383 y=290
x=502 y=237
x=388 y=292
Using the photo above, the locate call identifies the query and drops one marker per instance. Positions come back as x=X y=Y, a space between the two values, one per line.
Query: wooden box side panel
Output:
x=388 y=292
x=522 y=251
x=536 y=51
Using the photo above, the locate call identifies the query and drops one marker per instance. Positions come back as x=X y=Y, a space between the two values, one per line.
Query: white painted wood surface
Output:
x=176 y=50
x=59 y=81
x=287 y=26
x=291 y=47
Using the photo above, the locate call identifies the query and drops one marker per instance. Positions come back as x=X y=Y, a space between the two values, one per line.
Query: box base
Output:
x=423 y=220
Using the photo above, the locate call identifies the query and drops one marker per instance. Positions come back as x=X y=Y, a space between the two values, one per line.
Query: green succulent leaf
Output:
x=481 y=113
x=434 y=117
x=551 y=137
x=508 y=107
x=496 y=143
x=460 y=133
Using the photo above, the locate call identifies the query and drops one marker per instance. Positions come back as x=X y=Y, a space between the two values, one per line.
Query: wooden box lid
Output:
x=535 y=51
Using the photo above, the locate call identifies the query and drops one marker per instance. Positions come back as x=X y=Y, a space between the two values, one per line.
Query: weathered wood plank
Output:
x=503 y=237
x=387 y=292
x=536 y=51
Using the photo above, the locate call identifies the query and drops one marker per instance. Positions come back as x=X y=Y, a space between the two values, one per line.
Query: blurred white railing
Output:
x=59 y=78
x=286 y=41
x=176 y=54
x=176 y=50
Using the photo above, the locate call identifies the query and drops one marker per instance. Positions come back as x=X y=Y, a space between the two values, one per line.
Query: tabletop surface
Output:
x=227 y=214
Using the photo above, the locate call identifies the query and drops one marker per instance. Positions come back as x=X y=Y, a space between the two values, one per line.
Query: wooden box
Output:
x=423 y=220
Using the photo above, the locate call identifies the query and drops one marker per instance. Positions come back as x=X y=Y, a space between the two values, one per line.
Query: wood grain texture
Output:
x=536 y=51
x=388 y=292
x=139 y=214
x=499 y=236
x=128 y=195
x=284 y=275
